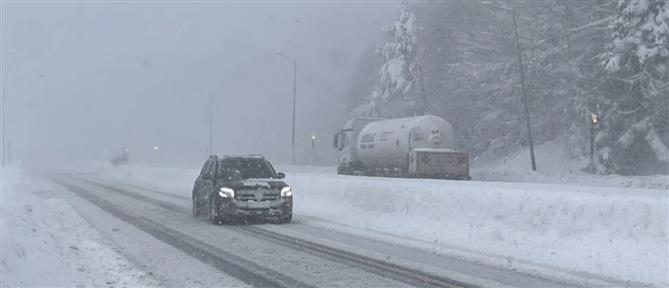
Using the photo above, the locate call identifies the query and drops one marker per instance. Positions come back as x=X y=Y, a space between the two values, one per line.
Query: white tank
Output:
x=387 y=143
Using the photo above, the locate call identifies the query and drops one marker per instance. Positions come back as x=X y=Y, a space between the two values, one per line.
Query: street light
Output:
x=594 y=120
x=159 y=155
x=292 y=137
x=313 y=149
x=522 y=80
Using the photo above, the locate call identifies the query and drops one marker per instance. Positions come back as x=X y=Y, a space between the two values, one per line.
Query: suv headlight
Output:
x=226 y=192
x=286 y=192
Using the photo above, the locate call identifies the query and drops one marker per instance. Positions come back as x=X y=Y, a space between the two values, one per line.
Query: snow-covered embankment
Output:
x=46 y=243
x=615 y=232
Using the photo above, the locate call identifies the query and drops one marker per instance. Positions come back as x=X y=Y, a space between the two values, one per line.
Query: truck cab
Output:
x=345 y=142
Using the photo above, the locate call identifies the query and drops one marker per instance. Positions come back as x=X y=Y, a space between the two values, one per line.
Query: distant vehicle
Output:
x=233 y=187
x=421 y=146
x=120 y=159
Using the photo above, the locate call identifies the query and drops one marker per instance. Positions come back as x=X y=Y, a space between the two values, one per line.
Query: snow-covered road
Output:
x=295 y=255
x=360 y=231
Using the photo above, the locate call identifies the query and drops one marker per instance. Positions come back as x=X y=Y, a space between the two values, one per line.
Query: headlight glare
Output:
x=226 y=192
x=286 y=192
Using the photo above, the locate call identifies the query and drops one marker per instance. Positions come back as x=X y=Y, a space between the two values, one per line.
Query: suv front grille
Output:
x=257 y=195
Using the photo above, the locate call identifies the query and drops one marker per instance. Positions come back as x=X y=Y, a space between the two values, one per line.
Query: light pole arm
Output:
x=287 y=57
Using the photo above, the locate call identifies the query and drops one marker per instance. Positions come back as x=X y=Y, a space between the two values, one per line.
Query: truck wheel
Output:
x=213 y=212
x=343 y=170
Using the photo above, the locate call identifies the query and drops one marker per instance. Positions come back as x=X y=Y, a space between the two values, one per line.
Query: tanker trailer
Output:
x=422 y=146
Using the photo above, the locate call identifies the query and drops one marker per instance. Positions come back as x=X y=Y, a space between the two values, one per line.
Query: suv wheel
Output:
x=213 y=212
x=286 y=219
x=196 y=207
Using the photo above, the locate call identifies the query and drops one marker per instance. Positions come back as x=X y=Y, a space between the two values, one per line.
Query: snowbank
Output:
x=621 y=233
x=46 y=243
x=615 y=232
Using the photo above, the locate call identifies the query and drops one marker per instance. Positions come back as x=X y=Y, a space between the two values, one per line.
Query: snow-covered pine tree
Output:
x=399 y=90
x=634 y=135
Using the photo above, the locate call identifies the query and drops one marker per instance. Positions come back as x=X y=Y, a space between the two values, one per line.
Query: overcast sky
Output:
x=79 y=79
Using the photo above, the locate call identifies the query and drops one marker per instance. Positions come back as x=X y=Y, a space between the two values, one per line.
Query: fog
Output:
x=82 y=82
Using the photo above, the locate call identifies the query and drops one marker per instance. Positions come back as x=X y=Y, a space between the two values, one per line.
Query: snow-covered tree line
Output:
x=457 y=59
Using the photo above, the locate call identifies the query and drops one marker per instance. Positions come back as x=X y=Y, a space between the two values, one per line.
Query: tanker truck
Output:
x=421 y=146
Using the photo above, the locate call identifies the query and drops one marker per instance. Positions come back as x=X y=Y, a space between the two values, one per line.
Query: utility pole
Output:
x=9 y=152
x=292 y=137
x=521 y=69
x=3 y=119
x=525 y=100
x=211 y=125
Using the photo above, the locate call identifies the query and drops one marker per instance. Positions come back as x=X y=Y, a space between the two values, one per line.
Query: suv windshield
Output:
x=238 y=169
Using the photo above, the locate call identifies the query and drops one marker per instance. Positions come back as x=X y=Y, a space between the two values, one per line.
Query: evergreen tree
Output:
x=399 y=89
x=637 y=104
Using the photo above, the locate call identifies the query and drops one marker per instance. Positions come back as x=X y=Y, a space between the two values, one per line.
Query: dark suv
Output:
x=233 y=187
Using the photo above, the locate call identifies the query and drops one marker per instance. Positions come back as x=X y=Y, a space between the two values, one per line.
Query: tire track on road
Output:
x=386 y=269
x=572 y=280
x=228 y=263
x=382 y=268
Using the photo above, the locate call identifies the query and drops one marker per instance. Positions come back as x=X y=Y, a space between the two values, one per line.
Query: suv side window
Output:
x=204 y=168
x=271 y=168
x=211 y=169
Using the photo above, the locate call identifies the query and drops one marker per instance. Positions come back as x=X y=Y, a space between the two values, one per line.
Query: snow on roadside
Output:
x=44 y=242
x=615 y=232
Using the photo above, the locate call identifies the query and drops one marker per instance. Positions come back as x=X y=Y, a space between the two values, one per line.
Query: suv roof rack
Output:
x=257 y=156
